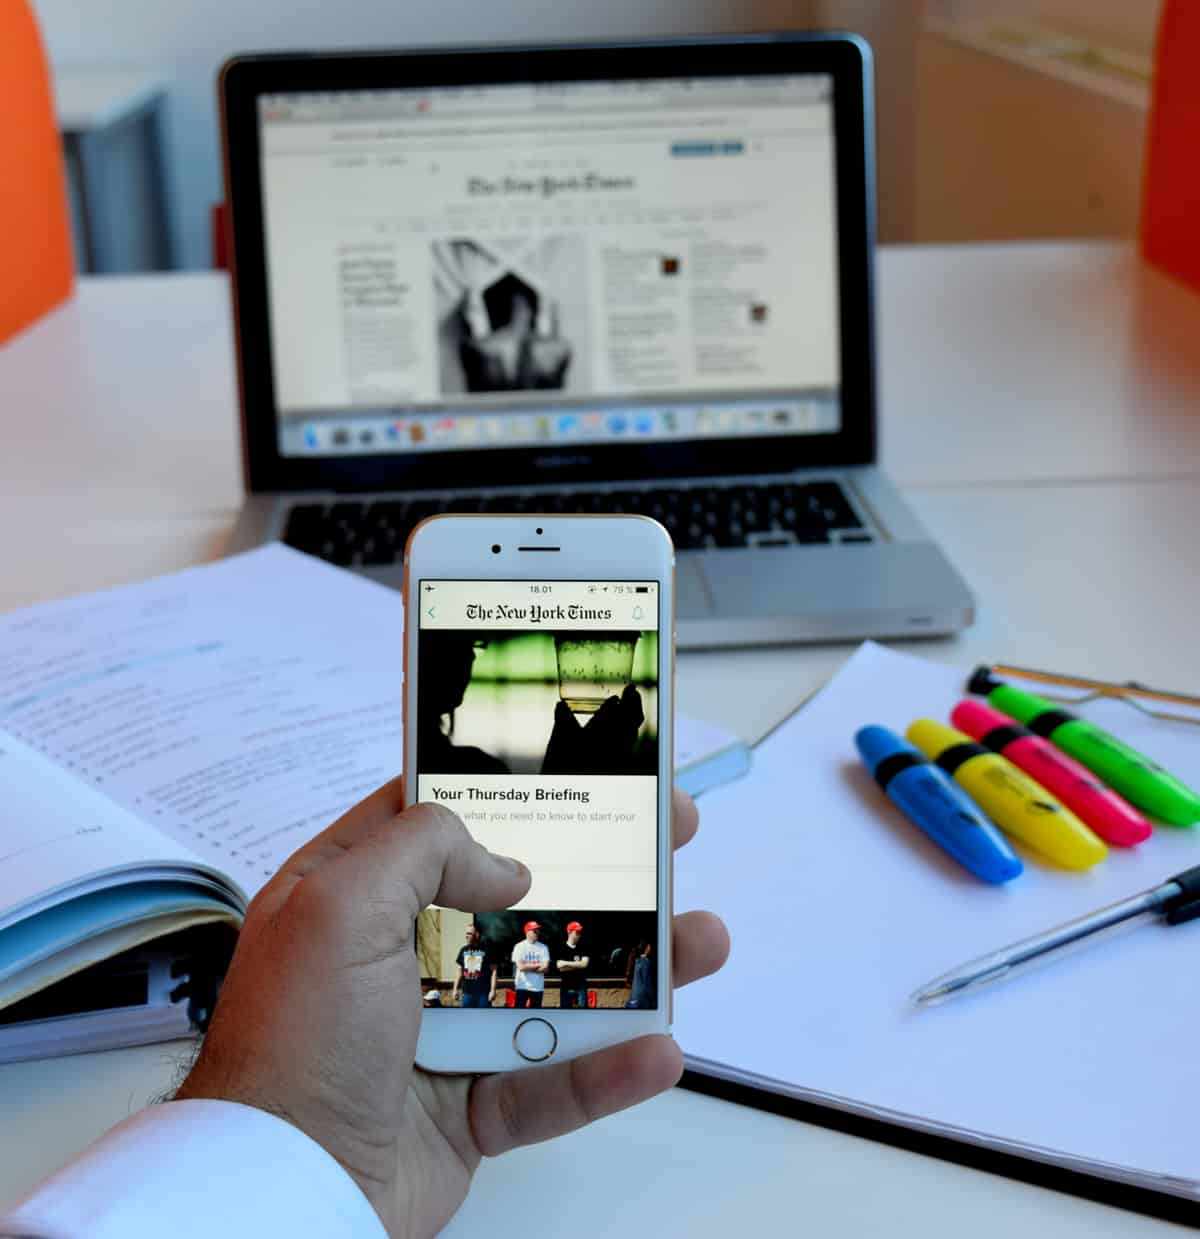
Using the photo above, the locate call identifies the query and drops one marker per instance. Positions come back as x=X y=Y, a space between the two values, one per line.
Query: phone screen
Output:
x=538 y=724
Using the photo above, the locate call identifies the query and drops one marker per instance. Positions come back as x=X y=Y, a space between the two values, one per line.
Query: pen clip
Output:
x=1139 y=696
x=1186 y=905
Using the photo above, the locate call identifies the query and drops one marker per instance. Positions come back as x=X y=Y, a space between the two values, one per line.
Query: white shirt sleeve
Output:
x=192 y=1170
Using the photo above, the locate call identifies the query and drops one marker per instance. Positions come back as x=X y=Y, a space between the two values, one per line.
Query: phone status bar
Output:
x=535 y=604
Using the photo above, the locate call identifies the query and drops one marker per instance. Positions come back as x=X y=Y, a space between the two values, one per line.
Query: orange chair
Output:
x=35 y=226
x=1171 y=184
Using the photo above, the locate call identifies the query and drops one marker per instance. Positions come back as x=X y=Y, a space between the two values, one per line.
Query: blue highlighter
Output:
x=930 y=798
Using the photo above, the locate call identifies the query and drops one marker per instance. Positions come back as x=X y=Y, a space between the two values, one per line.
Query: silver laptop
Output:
x=602 y=278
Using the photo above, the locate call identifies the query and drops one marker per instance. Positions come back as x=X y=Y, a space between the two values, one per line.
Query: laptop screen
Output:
x=589 y=261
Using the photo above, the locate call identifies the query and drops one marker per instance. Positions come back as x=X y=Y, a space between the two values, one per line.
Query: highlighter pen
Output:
x=929 y=797
x=1018 y=805
x=1115 y=820
x=1125 y=770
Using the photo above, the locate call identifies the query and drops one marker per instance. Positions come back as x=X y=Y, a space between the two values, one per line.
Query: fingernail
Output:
x=512 y=862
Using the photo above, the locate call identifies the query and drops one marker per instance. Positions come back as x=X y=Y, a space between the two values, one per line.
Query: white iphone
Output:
x=538 y=660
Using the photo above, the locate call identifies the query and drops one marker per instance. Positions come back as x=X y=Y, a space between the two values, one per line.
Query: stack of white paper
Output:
x=839 y=907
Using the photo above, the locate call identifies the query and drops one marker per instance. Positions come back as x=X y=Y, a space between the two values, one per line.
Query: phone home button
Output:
x=535 y=1040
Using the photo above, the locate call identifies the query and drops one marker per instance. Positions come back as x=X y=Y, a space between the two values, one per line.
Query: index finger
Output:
x=685 y=818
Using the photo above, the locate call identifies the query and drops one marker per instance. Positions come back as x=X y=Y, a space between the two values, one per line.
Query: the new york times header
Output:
x=536 y=614
x=546 y=186
x=521 y=794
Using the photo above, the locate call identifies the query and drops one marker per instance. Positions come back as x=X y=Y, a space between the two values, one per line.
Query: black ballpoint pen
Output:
x=1176 y=900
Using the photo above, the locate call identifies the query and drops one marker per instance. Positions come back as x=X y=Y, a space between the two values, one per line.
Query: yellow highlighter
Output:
x=1018 y=805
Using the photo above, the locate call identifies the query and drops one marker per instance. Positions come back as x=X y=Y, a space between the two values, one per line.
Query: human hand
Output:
x=546 y=357
x=524 y=354
x=318 y=1018
x=604 y=745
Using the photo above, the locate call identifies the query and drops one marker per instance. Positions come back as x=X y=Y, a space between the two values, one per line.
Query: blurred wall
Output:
x=188 y=41
x=892 y=28
x=1131 y=22
x=1010 y=149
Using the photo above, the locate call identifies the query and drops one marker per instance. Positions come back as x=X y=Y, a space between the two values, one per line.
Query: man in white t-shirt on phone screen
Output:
x=530 y=960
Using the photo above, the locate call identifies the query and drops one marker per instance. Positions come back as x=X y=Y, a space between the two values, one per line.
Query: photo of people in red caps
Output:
x=532 y=959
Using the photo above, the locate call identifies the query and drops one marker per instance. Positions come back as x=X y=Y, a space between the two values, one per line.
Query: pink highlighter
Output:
x=1112 y=818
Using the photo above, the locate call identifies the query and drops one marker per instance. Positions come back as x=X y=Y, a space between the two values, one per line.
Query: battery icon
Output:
x=641 y=589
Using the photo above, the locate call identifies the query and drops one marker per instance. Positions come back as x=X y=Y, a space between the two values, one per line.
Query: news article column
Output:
x=538 y=725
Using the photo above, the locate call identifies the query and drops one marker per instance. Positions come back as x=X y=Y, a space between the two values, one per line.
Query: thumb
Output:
x=451 y=868
x=421 y=856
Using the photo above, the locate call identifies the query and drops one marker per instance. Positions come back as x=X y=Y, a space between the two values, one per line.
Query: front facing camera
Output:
x=495 y=548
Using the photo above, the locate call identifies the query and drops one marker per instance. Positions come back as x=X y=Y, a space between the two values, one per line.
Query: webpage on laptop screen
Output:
x=520 y=262
x=537 y=716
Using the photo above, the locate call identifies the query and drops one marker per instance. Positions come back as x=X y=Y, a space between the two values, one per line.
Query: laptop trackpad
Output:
x=831 y=580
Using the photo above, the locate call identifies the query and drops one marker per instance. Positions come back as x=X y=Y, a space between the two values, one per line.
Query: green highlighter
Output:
x=1125 y=770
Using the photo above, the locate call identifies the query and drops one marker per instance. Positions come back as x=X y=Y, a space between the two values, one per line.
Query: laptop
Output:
x=595 y=278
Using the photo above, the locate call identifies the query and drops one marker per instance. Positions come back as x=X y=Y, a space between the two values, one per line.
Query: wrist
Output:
x=214 y=1079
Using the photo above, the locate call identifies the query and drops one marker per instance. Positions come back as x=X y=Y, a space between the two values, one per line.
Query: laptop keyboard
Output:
x=373 y=532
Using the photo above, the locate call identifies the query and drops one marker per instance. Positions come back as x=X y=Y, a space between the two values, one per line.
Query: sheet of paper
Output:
x=57 y=831
x=839 y=908
x=239 y=707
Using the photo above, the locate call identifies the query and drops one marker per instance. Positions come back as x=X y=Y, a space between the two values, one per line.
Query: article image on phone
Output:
x=534 y=958
x=565 y=702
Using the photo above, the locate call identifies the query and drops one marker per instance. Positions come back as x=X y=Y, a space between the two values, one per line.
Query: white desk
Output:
x=1035 y=363
x=122 y=461
x=1001 y=364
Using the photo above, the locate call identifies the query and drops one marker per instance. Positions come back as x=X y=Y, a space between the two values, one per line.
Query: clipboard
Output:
x=927 y=689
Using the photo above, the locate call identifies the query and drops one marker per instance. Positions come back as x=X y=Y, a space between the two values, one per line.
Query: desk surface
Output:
x=124 y=464
x=1035 y=363
x=1006 y=364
